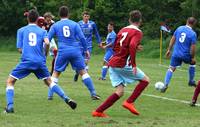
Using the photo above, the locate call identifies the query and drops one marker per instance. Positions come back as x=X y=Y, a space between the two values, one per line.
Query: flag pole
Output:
x=160 y=46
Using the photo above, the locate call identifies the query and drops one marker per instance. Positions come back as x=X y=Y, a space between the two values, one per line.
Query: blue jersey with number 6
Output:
x=30 y=40
x=69 y=35
x=184 y=38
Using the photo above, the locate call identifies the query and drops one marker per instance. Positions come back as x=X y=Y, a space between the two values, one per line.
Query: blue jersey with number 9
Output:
x=30 y=39
x=184 y=38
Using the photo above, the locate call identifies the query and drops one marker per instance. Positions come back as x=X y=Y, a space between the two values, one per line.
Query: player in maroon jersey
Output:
x=123 y=69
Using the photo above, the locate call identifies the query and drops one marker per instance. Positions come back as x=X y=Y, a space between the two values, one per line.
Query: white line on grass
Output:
x=166 y=98
x=162 y=65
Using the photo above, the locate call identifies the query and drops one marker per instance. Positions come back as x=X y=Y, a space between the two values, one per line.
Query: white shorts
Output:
x=124 y=75
x=52 y=47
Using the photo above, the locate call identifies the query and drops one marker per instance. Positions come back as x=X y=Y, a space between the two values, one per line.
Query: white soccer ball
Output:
x=159 y=85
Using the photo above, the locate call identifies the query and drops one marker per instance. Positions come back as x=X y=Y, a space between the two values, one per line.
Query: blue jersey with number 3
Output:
x=69 y=35
x=30 y=39
x=184 y=38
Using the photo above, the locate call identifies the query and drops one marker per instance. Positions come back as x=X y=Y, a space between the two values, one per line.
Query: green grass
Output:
x=32 y=109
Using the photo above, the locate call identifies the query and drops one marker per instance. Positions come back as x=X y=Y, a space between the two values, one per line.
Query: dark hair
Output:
x=85 y=13
x=33 y=15
x=63 y=11
x=111 y=23
x=135 y=16
x=192 y=21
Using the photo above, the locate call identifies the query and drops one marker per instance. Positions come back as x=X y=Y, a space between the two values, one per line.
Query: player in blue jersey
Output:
x=184 y=41
x=69 y=36
x=89 y=28
x=30 y=41
x=110 y=39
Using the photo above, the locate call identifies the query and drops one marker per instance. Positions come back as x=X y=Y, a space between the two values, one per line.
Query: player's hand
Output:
x=134 y=70
x=87 y=53
x=103 y=47
x=139 y=48
x=168 y=53
x=100 y=45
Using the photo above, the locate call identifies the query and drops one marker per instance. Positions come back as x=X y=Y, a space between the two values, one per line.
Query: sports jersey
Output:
x=30 y=40
x=88 y=29
x=127 y=39
x=110 y=39
x=184 y=38
x=68 y=34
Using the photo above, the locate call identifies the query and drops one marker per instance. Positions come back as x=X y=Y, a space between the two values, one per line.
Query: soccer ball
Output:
x=159 y=85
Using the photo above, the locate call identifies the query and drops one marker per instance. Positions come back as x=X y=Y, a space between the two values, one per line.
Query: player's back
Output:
x=68 y=33
x=185 y=37
x=31 y=38
x=123 y=49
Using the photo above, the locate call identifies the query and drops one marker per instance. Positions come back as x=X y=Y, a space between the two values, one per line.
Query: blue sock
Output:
x=50 y=93
x=10 y=96
x=168 y=76
x=89 y=84
x=191 y=73
x=58 y=90
x=104 y=72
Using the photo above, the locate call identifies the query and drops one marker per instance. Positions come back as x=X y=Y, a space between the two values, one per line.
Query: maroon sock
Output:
x=108 y=103
x=196 y=92
x=138 y=90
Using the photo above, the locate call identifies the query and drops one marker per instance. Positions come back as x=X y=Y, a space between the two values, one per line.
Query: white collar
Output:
x=188 y=26
x=64 y=19
x=133 y=27
x=32 y=24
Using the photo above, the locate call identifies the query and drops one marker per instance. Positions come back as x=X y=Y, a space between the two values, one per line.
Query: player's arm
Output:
x=19 y=40
x=112 y=41
x=135 y=41
x=98 y=38
x=171 y=44
x=47 y=43
x=193 y=49
x=51 y=32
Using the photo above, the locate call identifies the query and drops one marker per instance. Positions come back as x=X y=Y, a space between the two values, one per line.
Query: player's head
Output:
x=110 y=26
x=32 y=16
x=135 y=16
x=86 y=16
x=48 y=17
x=63 y=12
x=41 y=21
x=191 y=21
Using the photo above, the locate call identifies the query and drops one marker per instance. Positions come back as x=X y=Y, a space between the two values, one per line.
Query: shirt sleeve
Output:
x=51 y=32
x=19 y=39
x=135 y=41
x=95 y=29
x=81 y=37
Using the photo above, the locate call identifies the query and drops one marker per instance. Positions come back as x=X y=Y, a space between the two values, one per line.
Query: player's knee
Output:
x=10 y=81
x=172 y=69
x=146 y=79
x=120 y=90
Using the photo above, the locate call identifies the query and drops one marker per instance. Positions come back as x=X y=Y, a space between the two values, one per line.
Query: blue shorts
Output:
x=124 y=75
x=74 y=58
x=24 y=68
x=177 y=61
x=108 y=55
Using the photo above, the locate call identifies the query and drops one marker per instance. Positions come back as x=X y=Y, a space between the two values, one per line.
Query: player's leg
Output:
x=104 y=70
x=117 y=82
x=99 y=112
x=196 y=94
x=59 y=91
x=53 y=61
x=10 y=94
x=191 y=72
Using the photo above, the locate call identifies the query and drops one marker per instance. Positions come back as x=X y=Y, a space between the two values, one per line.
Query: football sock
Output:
x=58 y=90
x=88 y=83
x=191 y=73
x=87 y=68
x=50 y=92
x=108 y=103
x=168 y=76
x=137 y=91
x=10 y=96
x=104 y=72
x=196 y=92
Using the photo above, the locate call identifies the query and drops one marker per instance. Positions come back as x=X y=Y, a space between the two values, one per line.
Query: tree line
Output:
x=172 y=12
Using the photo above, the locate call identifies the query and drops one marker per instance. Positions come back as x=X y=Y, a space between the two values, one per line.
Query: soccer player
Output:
x=69 y=36
x=123 y=70
x=110 y=39
x=48 y=17
x=184 y=41
x=30 y=39
x=89 y=28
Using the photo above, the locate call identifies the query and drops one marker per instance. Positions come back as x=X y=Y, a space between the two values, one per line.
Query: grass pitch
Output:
x=32 y=109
